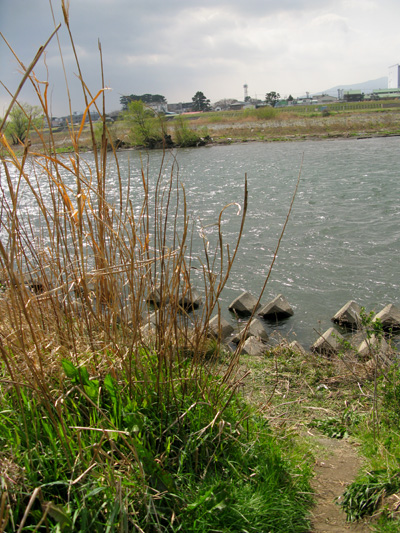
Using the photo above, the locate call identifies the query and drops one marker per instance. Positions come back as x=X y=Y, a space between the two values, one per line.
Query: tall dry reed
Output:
x=104 y=352
x=78 y=269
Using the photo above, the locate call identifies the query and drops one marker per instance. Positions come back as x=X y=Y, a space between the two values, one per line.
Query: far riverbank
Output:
x=282 y=126
x=289 y=126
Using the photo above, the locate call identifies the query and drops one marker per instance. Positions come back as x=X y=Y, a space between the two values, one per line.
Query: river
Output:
x=342 y=240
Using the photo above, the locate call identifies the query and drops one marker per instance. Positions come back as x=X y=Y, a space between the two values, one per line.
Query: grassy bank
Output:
x=263 y=125
x=300 y=124
x=97 y=458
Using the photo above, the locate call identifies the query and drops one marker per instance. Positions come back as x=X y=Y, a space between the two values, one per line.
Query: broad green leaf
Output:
x=110 y=385
x=92 y=390
x=70 y=370
x=84 y=376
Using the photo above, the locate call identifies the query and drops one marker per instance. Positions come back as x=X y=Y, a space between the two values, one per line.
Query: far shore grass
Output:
x=270 y=125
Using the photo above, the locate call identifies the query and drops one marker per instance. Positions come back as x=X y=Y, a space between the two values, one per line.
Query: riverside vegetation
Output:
x=139 y=127
x=103 y=427
x=106 y=428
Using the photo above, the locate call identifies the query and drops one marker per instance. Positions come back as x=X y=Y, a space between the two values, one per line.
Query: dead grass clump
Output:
x=77 y=262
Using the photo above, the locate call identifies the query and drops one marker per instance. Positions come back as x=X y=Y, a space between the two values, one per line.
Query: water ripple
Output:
x=342 y=240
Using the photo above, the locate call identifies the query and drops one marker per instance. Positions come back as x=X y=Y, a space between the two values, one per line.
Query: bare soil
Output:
x=336 y=466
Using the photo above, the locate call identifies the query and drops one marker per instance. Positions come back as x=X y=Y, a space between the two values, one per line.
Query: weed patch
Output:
x=364 y=496
x=131 y=454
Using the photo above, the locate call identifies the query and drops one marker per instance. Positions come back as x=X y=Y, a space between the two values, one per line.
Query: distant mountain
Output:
x=365 y=87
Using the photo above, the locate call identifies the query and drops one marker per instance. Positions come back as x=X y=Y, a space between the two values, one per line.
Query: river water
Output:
x=342 y=241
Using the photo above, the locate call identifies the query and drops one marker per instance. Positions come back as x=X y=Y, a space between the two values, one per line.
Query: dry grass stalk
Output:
x=76 y=269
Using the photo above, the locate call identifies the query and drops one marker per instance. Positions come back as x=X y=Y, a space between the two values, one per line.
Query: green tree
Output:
x=272 y=98
x=200 y=102
x=147 y=129
x=21 y=119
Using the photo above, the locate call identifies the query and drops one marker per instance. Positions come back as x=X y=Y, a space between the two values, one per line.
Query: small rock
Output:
x=153 y=318
x=244 y=304
x=371 y=346
x=254 y=346
x=297 y=347
x=190 y=300
x=276 y=309
x=276 y=339
x=156 y=297
x=230 y=347
x=255 y=329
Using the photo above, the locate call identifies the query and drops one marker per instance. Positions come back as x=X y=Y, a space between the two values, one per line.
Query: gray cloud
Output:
x=176 y=48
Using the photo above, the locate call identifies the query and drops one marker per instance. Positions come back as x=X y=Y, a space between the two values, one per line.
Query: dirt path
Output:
x=337 y=465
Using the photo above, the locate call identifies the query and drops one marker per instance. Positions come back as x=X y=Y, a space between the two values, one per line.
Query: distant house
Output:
x=158 y=107
x=57 y=121
x=353 y=96
x=224 y=104
x=378 y=94
x=307 y=100
x=238 y=105
x=181 y=107
x=324 y=99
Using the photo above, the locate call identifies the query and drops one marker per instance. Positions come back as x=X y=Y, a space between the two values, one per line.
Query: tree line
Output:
x=200 y=101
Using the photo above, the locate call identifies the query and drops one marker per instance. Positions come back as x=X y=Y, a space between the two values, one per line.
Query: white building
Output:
x=394 y=77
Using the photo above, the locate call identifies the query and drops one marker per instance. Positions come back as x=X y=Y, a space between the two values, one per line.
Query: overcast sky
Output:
x=178 y=47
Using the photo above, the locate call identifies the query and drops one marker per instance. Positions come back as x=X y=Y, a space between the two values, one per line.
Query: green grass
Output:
x=336 y=396
x=365 y=495
x=381 y=448
x=106 y=460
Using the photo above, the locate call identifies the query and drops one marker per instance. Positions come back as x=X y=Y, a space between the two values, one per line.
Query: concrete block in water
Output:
x=244 y=304
x=276 y=309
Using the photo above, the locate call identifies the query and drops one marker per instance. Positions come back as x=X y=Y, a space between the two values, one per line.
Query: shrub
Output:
x=147 y=129
x=184 y=135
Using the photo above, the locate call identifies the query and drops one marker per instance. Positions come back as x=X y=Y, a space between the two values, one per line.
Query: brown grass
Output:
x=76 y=270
